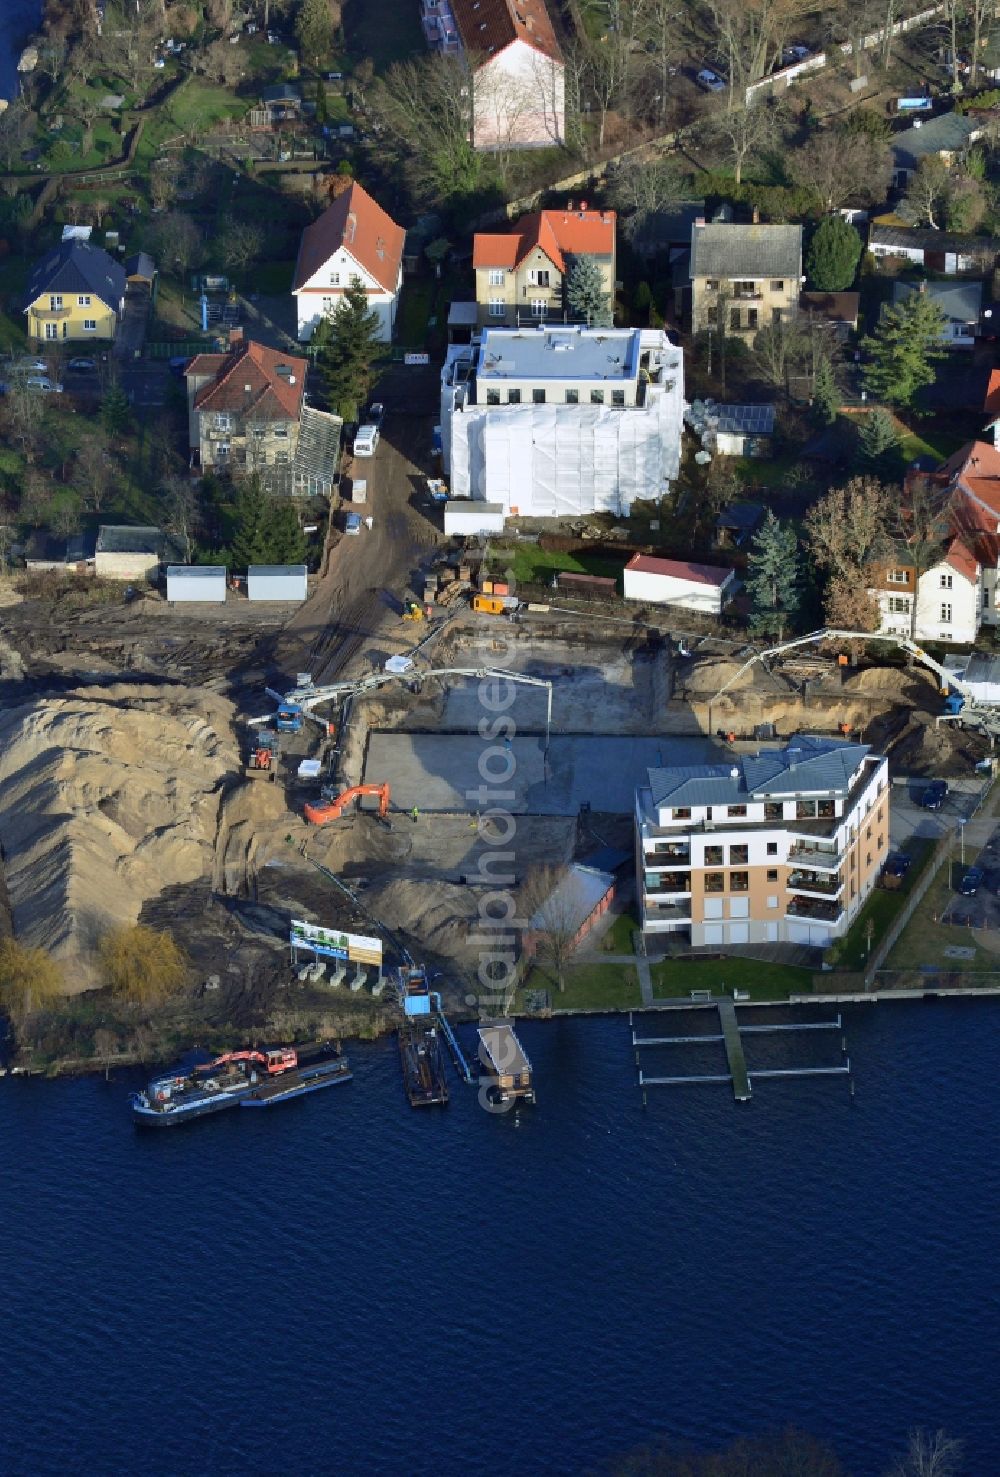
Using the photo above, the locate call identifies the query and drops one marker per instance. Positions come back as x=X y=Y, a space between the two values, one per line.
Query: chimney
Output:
x=756 y=215
x=699 y=220
x=235 y=337
x=583 y=206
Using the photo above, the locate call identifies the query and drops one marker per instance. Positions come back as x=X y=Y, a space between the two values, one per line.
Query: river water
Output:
x=18 y=20
x=346 y=1284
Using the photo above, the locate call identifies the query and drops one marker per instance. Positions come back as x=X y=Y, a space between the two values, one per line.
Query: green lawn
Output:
x=390 y=32
x=416 y=303
x=532 y=564
x=924 y=940
x=676 y=978
x=618 y=939
x=881 y=909
x=588 y=987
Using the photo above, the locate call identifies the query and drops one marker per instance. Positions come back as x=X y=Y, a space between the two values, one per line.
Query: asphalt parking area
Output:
x=983 y=910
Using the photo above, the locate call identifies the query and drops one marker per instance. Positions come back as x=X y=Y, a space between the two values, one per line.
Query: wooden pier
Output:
x=739 y=1077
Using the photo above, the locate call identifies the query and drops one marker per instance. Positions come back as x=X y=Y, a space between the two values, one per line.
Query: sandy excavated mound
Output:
x=105 y=799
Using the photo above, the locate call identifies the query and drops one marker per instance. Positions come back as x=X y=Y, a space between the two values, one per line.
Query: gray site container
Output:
x=201 y=582
x=277 y=582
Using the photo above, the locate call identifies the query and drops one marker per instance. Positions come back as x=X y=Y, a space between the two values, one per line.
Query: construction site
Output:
x=172 y=785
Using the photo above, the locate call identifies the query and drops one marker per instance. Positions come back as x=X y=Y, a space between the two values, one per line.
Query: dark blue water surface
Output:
x=346 y=1284
x=18 y=19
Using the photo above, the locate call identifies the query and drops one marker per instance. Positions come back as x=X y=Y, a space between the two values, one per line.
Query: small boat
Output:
x=253 y=1078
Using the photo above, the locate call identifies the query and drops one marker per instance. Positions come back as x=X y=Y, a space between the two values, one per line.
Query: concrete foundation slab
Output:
x=461 y=772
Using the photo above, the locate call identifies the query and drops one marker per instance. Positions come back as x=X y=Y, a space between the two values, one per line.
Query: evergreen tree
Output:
x=585 y=294
x=348 y=346
x=116 y=410
x=314 y=29
x=287 y=542
x=877 y=435
x=825 y=398
x=901 y=351
x=833 y=255
x=772 y=581
x=322 y=109
x=251 y=542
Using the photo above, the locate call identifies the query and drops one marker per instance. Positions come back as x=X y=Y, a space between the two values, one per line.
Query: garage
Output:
x=277 y=582
x=196 y=583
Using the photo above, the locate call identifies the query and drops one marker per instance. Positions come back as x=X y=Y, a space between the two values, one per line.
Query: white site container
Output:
x=277 y=582
x=469 y=517
x=198 y=582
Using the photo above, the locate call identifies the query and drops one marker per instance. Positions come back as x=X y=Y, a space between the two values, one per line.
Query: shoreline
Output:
x=89 y=1066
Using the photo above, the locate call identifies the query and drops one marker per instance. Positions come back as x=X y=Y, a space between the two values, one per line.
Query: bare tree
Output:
x=93 y=471
x=752 y=38
x=842 y=165
x=781 y=349
x=552 y=917
x=638 y=192
x=180 y=504
x=178 y=242
x=16 y=131
x=846 y=531
x=937 y=1455
x=106 y=1048
x=927 y=191
x=661 y=34
x=424 y=110
x=744 y=131
x=240 y=244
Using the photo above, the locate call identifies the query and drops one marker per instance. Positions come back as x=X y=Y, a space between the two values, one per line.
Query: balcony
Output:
x=665 y=916
x=669 y=884
x=815 y=911
x=747 y=297
x=667 y=854
x=813 y=884
x=815 y=858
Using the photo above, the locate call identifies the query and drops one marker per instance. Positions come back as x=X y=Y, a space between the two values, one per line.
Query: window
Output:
x=222 y=450
x=83 y=301
x=946 y=581
x=739 y=907
x=734 y=319
x=899 y=604
x=739 y=881
x=868 y=860
x=90 y=325
x=868 y=833
x=328 y=305
x=739 y=856
x=281 y=458
x=280 y=433
x=538 y=306
x=773 y=811
x=55 y=303
x=572 y=397
x=713 y=908
x=597 y=397
x=776 y=315
x=715 y=881
x=881 y=842
x=777 y=287
x=946 y=615
x=898 y=577
x=772 y=848
x=497 y=307
x=772 y=902
x=772 y=874
x=714 y=856
x=51 y=330
x=538 y=397
x=681 y=813
x=223 y=423
x=805 y=810
x=986 y=599
x=334 y=279
x=538 y=278
x=497 y=276
x=744 y=289
x=513 y=397
x=492 y=397
x=712 y=283
x=712 y=317
x=751 y=317
x=617 y=397
x=736 y=811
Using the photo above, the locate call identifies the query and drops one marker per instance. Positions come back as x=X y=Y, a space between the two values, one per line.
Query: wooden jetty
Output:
x=731 y=1036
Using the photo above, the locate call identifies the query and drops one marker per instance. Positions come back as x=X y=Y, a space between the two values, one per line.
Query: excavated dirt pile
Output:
x=106 y=798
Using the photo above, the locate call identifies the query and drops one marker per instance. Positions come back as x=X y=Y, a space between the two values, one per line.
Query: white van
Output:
x=366 y=441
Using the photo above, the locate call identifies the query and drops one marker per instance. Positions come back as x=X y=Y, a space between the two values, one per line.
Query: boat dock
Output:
x=505 y=1063
x=732 y=1033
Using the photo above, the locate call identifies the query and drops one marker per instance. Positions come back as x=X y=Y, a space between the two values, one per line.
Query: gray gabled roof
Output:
x=721 y=249
x=77 y=266
x=807 y=765
x=122 y=538
x=960 y=302
x=949 y=133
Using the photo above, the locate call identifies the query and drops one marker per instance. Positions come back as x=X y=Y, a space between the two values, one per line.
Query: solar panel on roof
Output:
x=753 y=420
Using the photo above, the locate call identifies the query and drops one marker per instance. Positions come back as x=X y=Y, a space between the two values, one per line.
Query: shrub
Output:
x=142 y=965
x=29 y=978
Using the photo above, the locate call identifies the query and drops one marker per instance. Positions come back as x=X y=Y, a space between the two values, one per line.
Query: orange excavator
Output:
x=281 y=1059
x=332 y=810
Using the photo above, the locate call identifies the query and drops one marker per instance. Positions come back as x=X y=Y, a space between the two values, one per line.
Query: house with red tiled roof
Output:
x=520 y=273
x=247 y=412
x=518 y=92
x=958 y=508
x=353 y=240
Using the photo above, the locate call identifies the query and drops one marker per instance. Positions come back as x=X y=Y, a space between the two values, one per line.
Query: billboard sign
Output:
x=356 y=948
x=416 y=358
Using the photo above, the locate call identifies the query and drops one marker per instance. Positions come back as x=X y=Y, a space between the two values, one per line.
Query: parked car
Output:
x=353 y=524
x=366 y=440
x=898 y=864
x=43 y=383
x=971 y=882
x=178 y=364
x=711 y=81
x=935 y=795
x=82 y=366
x=376 y=414
x=30 y=366
x=335 y=76
x=795 y=53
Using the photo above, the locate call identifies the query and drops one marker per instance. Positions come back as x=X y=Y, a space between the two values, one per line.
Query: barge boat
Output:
x=253 y=1079
x=423 y=1065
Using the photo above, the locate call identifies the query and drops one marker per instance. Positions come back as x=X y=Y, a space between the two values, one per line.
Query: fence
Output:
x=186 y=347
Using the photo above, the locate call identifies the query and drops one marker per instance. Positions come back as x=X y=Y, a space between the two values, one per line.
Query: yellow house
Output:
x=76 y=293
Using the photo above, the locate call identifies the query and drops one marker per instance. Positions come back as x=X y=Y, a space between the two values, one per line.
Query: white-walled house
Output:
x=702 y=587
x=354 y=239
x=518 y=80
x=948 y=599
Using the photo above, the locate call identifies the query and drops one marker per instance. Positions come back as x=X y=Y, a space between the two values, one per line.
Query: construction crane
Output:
x=961 y=704
x=281 y=1059
x=305 y=696
x=332 y=810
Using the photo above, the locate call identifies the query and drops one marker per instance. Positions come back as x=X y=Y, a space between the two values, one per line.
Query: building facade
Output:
x=783 y=846
x=521 y=273
x=751 y=275
x=76 y=294
x=705 y=588
x=354 y=240
x=552 y=422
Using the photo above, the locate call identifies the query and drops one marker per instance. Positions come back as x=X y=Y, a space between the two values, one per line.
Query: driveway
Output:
x=131 y=335
x=983 y=910
x=907 y=817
